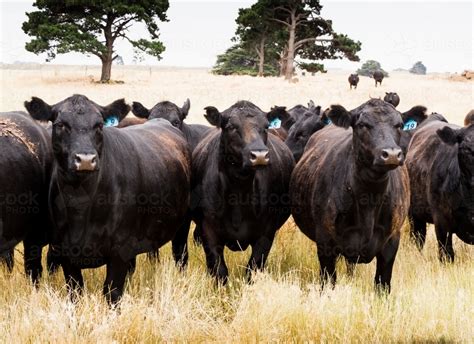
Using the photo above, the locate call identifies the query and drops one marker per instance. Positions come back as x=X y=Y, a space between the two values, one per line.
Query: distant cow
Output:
x=378 y=77
x=469 y=119
x=193 y=134
x=25 y=161
x=440 y=161
x=301 y=131
x=353 y=81
x=240 y=181
x=280 y=122
x=350 y=192
x=392 y=98
x=114 y=193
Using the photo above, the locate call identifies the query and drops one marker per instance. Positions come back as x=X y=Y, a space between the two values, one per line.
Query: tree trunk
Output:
x=290 y=56
x=261 y=57
x=107 y=56
x=106 y=69
x=282 y=62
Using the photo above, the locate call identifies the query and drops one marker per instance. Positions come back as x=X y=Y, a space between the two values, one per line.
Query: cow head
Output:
x=301 y=131
x=392 y=98
x=377 y=129
x=166 y=110
x=77 y=129
x=244 y=134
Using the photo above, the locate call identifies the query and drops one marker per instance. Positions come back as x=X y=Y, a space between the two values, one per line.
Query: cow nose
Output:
x=85 y=162
x=392 y=156
x=259 y=158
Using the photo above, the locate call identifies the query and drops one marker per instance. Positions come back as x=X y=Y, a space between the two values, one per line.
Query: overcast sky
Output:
x=396 y=33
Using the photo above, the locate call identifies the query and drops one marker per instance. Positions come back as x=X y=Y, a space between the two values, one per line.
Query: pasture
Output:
x=430 y=301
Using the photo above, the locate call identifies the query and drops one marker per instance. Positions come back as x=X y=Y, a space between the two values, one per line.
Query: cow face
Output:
x=244 y=134
x=77 y=129
x=301 y=131
x=166 y=110
x=377 y=129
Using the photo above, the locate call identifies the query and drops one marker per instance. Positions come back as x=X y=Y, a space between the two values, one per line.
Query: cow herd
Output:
x=100 y=188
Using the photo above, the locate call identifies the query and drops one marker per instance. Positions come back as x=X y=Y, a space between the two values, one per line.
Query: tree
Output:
x=92 y=27
x=418 y=68
x=308 y=34
x=240 y=61
x=256 y=31
x=369 y=67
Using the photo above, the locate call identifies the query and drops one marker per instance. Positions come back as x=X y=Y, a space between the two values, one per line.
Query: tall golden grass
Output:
x=430 y=301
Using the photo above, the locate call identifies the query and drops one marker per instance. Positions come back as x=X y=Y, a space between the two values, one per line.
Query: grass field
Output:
x=430 y=301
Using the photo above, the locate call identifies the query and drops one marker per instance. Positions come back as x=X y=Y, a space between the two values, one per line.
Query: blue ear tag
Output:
x=275 y=124
x=327 y=121
x=111 y=121
x=410 y=125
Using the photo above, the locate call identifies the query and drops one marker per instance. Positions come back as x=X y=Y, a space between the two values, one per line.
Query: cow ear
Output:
x=185 y=109
x=340 y=116
x=39 y=110
x=450 y=136
x=118 y=109
x=139 y=110
x=213 y=116
x=280 y=112
x=417 y=113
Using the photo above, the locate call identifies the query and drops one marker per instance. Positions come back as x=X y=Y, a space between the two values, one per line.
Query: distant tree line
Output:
x=275 y=36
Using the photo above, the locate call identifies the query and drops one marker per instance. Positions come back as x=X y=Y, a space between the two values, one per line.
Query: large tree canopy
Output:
x=92 y=27
x=291 y=29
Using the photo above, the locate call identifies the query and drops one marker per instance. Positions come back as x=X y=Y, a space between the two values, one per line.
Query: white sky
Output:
x=396 y=33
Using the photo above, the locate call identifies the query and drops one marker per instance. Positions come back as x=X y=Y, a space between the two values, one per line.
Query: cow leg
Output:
x=418 y=232
x=259 y=256
x=327 y=266
x=73 y=277
x=115 y=280
x=214 y=251
x=445 y=244
x=52 y=260
x=8 y=259
x=197 y=235
x=180 y=243
x=32 y=261
x=132 y=265
x=385 y=260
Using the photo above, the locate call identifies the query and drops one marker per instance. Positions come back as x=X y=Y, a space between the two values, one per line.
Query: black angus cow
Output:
x=175 y=115
x=440 y=161
x=353 y=81
x=300 y=133
x=193 y=134
x=392 y=98
x=350 y=193
x=240 y=184
x=378 y=77
x=25 y=160
x=114 y=193
x=280 y=122
x=469 y=119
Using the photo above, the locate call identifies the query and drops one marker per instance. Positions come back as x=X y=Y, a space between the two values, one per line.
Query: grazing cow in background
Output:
x=353 y=81
x=350 y=192
x=440 y=161
x=392 y=98
x=240 y=186
x=25 y=160
x=469 y=119
x=378 y=77
x=193 y=134
x=114 y=193
x=301 y=131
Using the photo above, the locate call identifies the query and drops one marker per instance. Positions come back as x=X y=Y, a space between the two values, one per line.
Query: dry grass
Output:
x=430 y=302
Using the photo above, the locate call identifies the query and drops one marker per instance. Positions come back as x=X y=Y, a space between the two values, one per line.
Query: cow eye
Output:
x=399 y=126
x=365 y=125
x=99 y=126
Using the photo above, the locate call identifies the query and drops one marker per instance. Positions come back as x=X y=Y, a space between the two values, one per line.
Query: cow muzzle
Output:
x=392 y=156
x=259 y=158
x=85 y=162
